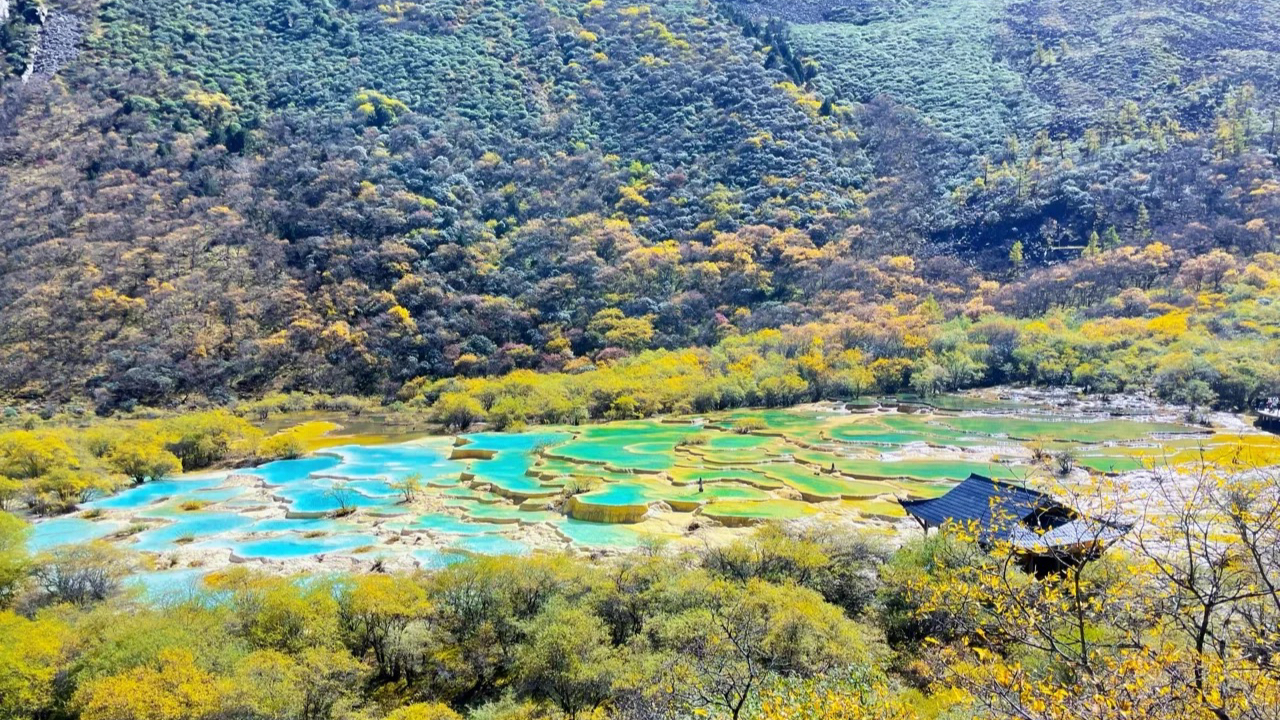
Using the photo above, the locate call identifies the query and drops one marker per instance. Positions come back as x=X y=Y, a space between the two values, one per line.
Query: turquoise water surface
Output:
x=291 y=546
x=149 y=493
x=188 y=526
x=501 y=484
x=68 y=531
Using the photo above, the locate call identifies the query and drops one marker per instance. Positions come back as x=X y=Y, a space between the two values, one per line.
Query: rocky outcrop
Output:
x=57 y=45
x=55 y=36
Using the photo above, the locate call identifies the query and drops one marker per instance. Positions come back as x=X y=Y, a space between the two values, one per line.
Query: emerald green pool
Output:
x=1067 y=430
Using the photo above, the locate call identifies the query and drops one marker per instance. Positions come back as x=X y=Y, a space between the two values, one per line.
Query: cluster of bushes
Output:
x=51 y=468
x=545 y=636
x=17 y=37
x=297 y=402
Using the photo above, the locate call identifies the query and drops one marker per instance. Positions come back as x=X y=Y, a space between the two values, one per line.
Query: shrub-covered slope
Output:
x=982 y=70
x=230 y=198
x=295 y=165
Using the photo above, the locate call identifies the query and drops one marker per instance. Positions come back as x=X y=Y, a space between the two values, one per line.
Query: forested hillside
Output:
x=1112 y=80
x=220 y=199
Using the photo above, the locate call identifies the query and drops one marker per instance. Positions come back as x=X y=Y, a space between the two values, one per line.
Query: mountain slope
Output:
x=211 y=155
x=226 y=198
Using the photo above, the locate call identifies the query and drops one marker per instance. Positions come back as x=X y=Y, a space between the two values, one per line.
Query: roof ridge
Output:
x=1004 y=483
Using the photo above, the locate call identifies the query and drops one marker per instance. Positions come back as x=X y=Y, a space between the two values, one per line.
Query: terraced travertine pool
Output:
x=613 y=486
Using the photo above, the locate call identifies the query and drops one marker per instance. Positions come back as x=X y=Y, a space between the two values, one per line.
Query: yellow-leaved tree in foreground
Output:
x=1180 y=620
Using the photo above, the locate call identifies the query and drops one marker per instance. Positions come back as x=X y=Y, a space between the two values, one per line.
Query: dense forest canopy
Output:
x=224 y=199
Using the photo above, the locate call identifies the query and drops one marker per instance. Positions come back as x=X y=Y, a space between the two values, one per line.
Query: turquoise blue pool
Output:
x=290 y=546
x=592 y=534
x=298 y=525
x=515 y=454
x=190 y=527
x=149 y=493
x=436 y=559
x=68 y=531
x=321 y=496
x=492 y=545
x=449 y=524
x=283 y=472
x=170 y=585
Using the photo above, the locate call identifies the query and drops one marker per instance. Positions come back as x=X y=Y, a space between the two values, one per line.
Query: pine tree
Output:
x=1094 y=248
x=1016 y=258
x=1111 y=238
x=1143 y=226
x=1092 y=141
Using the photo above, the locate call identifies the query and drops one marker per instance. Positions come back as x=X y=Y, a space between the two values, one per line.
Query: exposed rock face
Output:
x=58 y=44
x=4 y=11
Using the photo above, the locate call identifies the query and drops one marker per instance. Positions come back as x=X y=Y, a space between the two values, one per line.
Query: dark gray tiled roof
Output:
x=1076 y=532
x=983 y=500
x=1004 y=511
